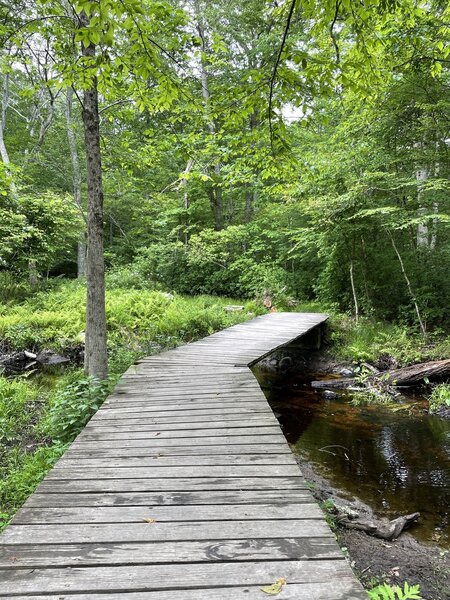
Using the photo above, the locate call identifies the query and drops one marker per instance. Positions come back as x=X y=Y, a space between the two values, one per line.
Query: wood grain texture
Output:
x=182 y=487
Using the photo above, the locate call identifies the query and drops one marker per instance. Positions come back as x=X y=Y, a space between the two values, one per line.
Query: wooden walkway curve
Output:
x=181 y=487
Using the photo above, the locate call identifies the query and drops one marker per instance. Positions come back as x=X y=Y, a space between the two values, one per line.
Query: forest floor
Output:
x=375 y=560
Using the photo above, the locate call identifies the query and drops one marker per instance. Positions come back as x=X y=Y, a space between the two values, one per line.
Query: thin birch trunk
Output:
x=183 y=184
x=33 y=276
x=355 y=297
x=214 y=192
x=3 y=150
x=366 y=287
x=422 y=237
x=81 y=246
x=5 y=100
x=408 y=284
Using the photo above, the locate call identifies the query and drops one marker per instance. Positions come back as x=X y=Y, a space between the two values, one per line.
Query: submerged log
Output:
x=338 y=383
x=438 y=369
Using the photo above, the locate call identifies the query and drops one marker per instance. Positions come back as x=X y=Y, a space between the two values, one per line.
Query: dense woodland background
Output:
x=233 y=163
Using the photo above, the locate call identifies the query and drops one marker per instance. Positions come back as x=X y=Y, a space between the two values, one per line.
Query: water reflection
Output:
x=398 y=462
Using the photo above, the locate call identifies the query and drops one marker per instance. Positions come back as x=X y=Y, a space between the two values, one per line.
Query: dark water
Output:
x=396 y=461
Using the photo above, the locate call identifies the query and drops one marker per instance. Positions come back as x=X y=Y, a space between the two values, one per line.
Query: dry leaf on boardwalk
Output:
x=275 y=588
x=149 y=520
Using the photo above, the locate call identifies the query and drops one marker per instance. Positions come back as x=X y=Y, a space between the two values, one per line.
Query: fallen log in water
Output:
x=413 y=375
x=438 y=369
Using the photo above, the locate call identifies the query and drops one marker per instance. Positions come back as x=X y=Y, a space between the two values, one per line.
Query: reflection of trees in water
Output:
x=294 y=413
x=396 y=463
x=413 y=448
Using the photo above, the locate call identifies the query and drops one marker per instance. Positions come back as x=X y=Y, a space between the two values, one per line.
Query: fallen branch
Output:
x=386 y=531
x=438 y=369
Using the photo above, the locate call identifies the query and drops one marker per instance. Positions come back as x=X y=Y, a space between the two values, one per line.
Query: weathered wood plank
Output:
x=136 y=514
x=163 y=433
x=70 y=460
x=157 y=442
x=141 y=397
x=175 y=498
x=177 y=410
x=181 y=450
x=171 y=484
x=186 y=439
x=205 y=408
x=346 y=588
x=102 y=554
x=178 y=421
x=156 y=472
x=163 y=531
x=149 y=577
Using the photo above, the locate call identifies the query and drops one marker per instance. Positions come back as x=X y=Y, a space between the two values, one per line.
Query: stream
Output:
x=394 y=459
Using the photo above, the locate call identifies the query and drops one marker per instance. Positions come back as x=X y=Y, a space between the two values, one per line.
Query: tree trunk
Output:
x=33 y=277
x=96 y=359
x=230 y=208
x=408 y=284
x=355 y=297
x=214 y=191
x=422 y=176
x=5 y=99
x=433 y=239
x=3 y=151
x=250 y=197
x=215 y=200
x=81 y=249
x=183 y=184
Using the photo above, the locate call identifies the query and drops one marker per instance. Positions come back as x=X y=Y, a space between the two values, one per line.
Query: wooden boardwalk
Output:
x=181 y=487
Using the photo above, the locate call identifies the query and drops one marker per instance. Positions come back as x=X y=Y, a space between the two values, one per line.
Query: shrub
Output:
x=128 y=277
x=72 y=406
x=439 y=397
x=386 y=592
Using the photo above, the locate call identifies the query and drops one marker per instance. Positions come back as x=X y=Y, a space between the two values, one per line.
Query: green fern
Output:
x=386 y=592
